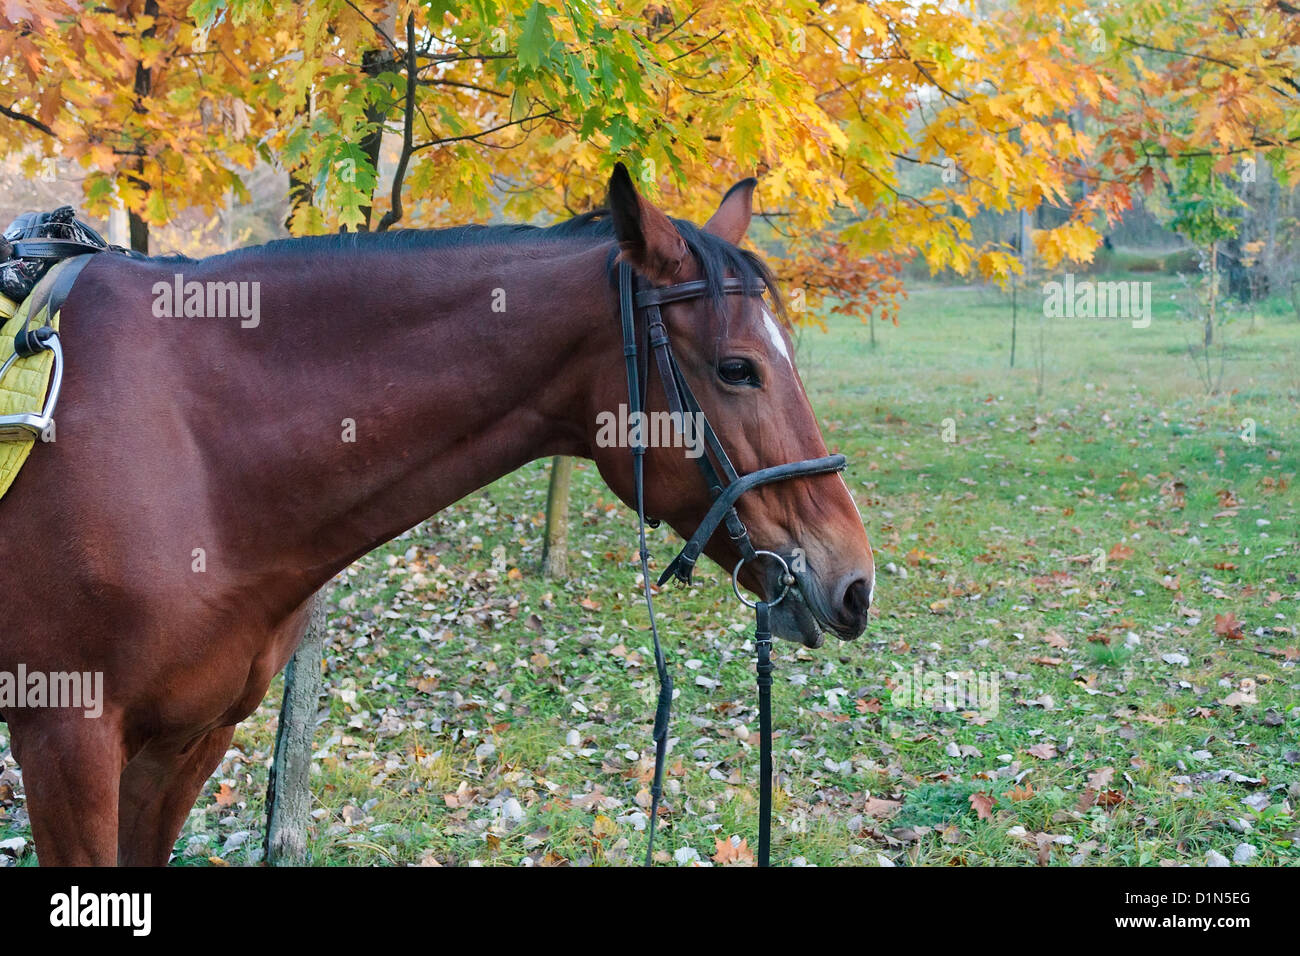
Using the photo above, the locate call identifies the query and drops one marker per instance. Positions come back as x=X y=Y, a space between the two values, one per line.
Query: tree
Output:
x=879 y=129
x=555 y=550
x=520 y=109
x=288 y=793
x=156 y=110
x=1205 y=91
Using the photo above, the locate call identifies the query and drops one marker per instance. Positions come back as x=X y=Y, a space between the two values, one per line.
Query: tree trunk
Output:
x=1041 y=365
x=139 y=234
x=1026 y=253
x=288 y=794
x=555 y=553
x=300 y=187
x=1014 y=310
x=373 y=63
x=1214 y=289
x=143 y=85
x=300 y=193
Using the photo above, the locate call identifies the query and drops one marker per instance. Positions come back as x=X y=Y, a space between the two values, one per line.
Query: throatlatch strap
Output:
x=765 y=667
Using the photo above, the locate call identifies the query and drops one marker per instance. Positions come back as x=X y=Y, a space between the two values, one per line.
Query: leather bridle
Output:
x=725 y=486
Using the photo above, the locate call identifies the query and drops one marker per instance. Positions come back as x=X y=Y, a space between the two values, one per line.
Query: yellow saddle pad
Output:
x=22 y=389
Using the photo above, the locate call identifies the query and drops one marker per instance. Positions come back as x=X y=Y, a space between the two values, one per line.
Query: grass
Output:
x=1076 y=546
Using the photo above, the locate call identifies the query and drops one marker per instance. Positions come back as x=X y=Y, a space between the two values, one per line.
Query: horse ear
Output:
x=731 y=221
x=650 y=242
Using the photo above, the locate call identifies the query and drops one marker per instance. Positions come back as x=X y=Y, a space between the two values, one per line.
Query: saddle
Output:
x=35 y=241
x=41 y=255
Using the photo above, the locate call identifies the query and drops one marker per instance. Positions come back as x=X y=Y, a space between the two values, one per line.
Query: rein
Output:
x=725 y=486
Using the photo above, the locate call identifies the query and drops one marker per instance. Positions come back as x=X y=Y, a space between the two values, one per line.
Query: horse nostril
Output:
x=855 y=604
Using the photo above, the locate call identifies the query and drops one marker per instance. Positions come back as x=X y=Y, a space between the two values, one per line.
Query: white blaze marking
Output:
x=775 y=337
x=871 y=585
x=840 y=476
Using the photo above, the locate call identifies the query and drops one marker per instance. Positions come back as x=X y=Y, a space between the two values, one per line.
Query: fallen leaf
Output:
x=1055 y=639
x=1227 y=626
x=982 y=804
x=1100 y=779
x=877 y=807
x=732 y=853
x=1120 y=552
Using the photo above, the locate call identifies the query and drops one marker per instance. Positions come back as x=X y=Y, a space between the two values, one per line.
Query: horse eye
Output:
x=737 y=372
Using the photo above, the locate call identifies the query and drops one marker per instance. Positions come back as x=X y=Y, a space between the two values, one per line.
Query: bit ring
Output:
x=787 y=579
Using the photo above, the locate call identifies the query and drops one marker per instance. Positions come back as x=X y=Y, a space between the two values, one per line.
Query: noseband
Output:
x=725 y=486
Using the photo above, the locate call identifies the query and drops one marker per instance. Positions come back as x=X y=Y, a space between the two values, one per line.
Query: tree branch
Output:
x=394 y=213
x=465 y=86
x=482 y=132
x=383 y=35
x=24 y=118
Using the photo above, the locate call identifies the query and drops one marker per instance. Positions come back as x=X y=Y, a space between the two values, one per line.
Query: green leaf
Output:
x=536 y=38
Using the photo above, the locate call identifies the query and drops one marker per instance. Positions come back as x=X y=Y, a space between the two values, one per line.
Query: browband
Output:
x=696 y=288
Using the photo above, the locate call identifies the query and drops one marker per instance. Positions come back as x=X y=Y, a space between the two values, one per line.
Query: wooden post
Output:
x=555 y=552
x=288 y=793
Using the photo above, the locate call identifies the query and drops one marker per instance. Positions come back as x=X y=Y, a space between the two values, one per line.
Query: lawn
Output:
x=1107 y=560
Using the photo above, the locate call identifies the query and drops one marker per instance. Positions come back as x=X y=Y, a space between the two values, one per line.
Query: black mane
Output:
x=717 y=257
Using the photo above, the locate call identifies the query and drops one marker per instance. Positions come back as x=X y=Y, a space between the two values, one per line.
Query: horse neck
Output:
x=428 y=375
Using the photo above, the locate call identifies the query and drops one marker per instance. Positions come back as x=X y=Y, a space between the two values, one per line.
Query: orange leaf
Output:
x=1227 y=625
x=732 y=854
x=983 y=804
x=1055 y=639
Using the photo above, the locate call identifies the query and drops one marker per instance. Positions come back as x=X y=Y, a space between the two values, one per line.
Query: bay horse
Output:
x=211 y=474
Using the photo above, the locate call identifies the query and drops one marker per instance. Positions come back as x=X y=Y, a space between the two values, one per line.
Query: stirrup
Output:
x=27 y=425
